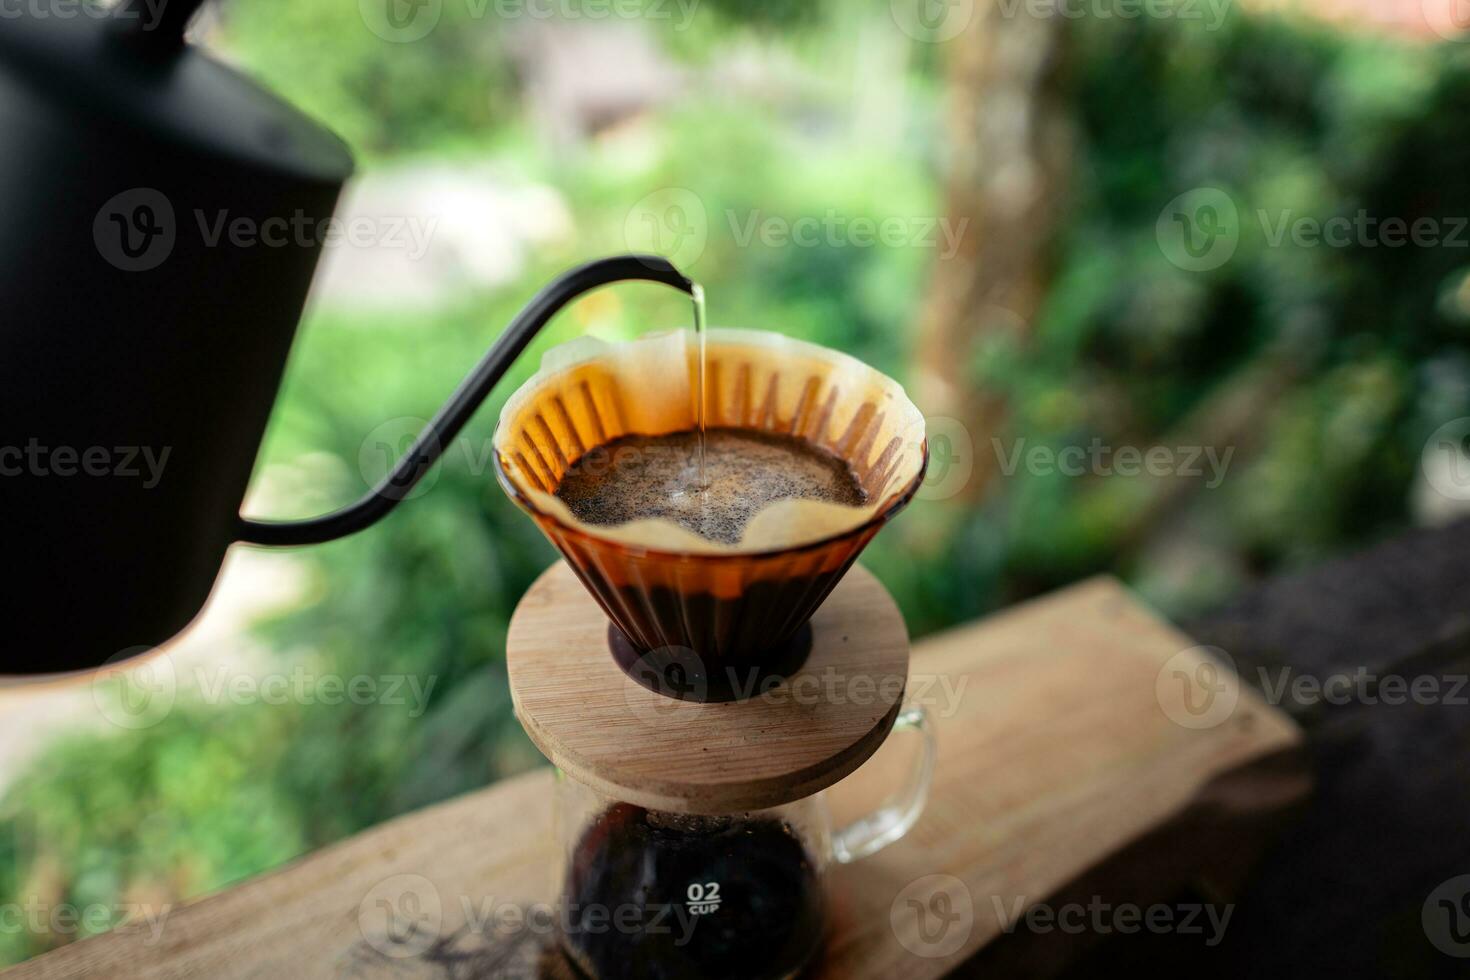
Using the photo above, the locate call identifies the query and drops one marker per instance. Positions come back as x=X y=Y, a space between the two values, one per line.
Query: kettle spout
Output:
x=456 y=413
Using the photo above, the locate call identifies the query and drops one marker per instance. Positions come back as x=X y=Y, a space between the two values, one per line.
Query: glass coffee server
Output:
x=695 y=837
x=739 y=894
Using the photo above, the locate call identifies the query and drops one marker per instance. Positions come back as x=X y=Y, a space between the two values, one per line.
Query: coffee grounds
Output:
x=635 y=477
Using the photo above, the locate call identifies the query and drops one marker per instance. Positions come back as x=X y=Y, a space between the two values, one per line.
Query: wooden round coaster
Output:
x=792 y=737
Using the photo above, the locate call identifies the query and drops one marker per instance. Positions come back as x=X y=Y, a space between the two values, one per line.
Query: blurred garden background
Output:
x=1070 y=233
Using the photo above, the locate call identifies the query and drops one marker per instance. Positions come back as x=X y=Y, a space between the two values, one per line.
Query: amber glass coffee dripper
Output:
x=721 y=615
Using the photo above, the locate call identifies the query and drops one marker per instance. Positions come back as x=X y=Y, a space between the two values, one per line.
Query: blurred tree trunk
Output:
x=1008 y=151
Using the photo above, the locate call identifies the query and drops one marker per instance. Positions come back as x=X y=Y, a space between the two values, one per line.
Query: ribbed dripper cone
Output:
x=718 y=611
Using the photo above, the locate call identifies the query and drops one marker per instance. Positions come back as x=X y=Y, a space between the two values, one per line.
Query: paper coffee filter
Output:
x=589 y=392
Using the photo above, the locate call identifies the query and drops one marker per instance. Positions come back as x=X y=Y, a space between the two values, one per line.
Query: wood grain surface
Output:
x=1071 y=730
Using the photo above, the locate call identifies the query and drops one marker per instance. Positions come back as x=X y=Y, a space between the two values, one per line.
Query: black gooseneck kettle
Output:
x=140 y=350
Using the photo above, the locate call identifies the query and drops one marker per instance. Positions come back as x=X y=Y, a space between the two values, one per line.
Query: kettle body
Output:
x=157 y=243
x=161 y=217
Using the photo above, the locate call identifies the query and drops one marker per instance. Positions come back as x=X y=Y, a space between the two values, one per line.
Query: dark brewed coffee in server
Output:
x=662 y=896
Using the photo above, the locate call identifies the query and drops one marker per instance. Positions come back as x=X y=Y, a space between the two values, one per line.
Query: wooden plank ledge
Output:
x=1074 y=730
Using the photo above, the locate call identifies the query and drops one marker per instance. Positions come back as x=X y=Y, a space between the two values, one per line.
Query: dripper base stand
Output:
x=815 y=712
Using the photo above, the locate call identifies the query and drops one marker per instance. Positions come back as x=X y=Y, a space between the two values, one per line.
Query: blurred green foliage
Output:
x=1365 y=350
x=453 y=86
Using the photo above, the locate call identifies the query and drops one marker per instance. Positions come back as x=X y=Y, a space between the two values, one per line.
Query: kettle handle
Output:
x=446 y=425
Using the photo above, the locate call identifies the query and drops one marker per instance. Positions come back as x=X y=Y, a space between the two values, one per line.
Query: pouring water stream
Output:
x=700 y=337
